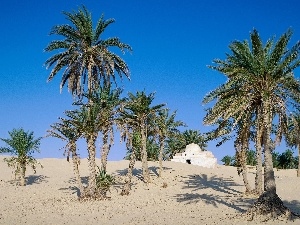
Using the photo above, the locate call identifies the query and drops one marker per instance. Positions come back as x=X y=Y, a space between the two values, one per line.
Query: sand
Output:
x=194 y=195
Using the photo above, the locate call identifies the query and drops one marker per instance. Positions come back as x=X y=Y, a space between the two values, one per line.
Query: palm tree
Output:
x=132 y=139
x=293 y=134
x=194 y=136
x=286 y=160
x=262 y=75
x=65 y=131
x=242 y=147
x=137 y=113
x=85 y=56
x=22 y=145
x=87 y=122
x=166 y=126
x=178 y=142
x=242 y=135
x=227 y=160
x=109 y=103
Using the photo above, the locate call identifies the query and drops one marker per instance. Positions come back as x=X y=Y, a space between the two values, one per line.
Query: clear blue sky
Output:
x=173 y=41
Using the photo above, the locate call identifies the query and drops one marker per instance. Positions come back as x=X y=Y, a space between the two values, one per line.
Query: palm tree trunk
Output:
x=269 y=178
x=298 y=171
x=127 y=185
x=92 y=187
x=245 y=177
x=268 y=202
x=241 y=159
x=144 y=157
x=76 y=162
x=104 y=152
x=22 y=175
x=161 y=150
x=258 y=176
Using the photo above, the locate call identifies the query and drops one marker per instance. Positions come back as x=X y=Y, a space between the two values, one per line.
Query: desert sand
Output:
x=194 y=195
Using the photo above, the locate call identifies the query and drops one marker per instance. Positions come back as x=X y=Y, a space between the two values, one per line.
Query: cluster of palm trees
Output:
x=88 y=62
x=284 y=160
x=89 y=67
x=257 y=103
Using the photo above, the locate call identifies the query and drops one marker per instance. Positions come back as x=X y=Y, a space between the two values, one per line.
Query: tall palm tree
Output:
x=86 y=60
x=83 y=55
x=65 y=131
x=264 y=74
x=137 y=113
x=166 y=126
x=21 y=145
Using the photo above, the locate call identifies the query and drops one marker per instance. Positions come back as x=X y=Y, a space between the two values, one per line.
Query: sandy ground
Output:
x=194 y=195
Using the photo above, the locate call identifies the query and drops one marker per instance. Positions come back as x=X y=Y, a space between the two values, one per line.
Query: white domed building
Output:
x=195 y=156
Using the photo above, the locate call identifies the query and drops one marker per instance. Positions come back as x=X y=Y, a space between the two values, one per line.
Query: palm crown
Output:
x=85 y=56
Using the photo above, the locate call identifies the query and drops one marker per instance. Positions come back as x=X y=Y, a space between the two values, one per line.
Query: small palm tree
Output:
x=227 y=160
x=136 y=115
x=65 y=131
x=167 y=127
x=86 y=121
x=286 y=160
x=110 y=103
x=22 y=145
x=293 y=135
x=194 y=136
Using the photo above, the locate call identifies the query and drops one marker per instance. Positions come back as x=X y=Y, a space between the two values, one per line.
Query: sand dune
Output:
x=194 y=195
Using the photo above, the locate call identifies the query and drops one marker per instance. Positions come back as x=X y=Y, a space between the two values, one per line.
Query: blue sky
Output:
x=173 y=41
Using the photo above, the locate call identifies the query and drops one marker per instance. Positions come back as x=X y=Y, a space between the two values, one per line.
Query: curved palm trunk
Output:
x=76 y=163
x=244 y=173
x=161 y=150
x=241 y=159
x=127 y=186
x=144 y=157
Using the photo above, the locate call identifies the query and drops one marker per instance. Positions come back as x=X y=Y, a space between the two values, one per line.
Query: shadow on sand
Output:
x=31 y=179
x=36 y=179
x=153 y=170
x=224 y=192
x=73 y=187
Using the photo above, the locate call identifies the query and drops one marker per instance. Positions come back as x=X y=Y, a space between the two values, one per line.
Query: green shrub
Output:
x=104 y=181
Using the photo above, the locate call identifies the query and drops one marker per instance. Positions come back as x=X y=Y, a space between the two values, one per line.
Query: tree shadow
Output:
x=224 y=192
x=73 y=187
x=135 y=172
x=30 y=180
x=293 y=205
x=36 y=179
x=138 y=173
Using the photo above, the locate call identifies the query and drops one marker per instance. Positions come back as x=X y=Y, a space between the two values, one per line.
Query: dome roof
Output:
x=193 y=149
